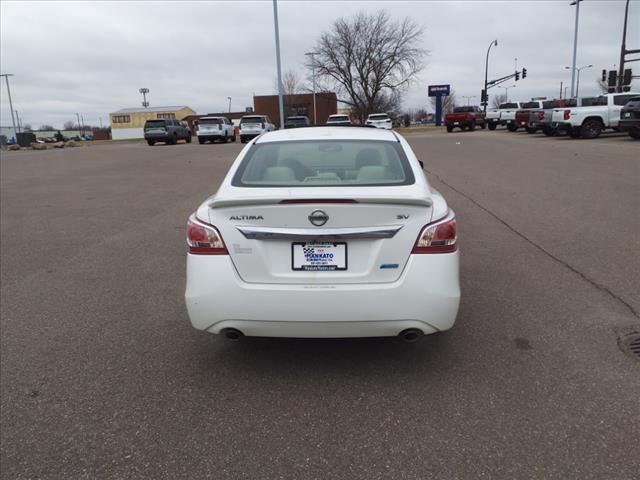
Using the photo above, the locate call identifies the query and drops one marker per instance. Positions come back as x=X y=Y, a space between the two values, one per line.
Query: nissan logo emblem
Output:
x=318 y=218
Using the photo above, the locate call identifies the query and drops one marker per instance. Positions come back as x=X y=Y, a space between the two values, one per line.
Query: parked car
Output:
x=590 y=121
x=541 y=119
x=492 y=118
x=297 y=122
x=379 y=120
x=323 y=232
x=253 y=125
x=508 y=115
x=338 y=119
x=465 y=117
x=211 y=129
x=630 y=118
x=167 y=130
x=523 y=115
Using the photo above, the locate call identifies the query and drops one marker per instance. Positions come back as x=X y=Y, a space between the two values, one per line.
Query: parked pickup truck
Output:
x=541 y=119
x=508 y=115
x=492 y=118
x=630 y=118
x=465 y=117
x=524 y=114
x=590 y=121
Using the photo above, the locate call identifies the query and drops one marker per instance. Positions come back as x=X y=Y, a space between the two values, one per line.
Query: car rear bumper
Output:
x=426 y=296
x=210 y=136
x=158 y=137
x=629 y=124
x=249 y=136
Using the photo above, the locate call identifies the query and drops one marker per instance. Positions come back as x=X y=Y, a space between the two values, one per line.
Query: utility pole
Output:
x=561 y=89
x=19 y=122
x=313 y=75
x=13 y=121
x=575 y=48
x=82 y=119
x=486 y=78
x=78 y=117
x=277 y=32
x=623 y=50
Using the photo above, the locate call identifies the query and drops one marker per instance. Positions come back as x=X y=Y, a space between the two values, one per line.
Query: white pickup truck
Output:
x=508 y=115
x=588 y=121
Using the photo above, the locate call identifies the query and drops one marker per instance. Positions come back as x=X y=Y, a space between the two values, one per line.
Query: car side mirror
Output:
x=421 y=164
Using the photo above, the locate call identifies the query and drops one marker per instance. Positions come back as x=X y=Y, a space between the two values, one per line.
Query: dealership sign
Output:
x=436 y=90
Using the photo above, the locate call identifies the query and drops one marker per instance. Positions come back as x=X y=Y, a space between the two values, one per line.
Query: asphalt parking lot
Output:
x=102 y=375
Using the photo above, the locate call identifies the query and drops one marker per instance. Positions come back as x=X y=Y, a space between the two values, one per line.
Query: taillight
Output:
x=567 y=113
x=204 y=239
x=438 y=237
x=540 y=115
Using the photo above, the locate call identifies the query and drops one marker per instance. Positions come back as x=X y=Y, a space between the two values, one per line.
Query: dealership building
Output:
x=129 y=122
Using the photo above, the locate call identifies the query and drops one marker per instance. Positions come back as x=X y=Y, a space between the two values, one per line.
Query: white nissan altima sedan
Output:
x=323 y=232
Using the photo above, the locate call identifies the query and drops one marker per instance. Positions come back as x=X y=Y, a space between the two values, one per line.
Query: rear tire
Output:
x=531 y=130
x=449 y=129
x=188 y=139
x=201 y=141
x=591 y=128
x=492 y=126
x=226 y=138
x=151 y=143
x=511 y=127
x=174 y=139
x=548 y=131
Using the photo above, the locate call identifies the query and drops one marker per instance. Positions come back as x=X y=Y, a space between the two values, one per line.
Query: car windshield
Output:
x=324 y=163
x=381 y=116
x=251 y=120
x=154 y=124
x=210 y=121
x=297 y=120
x=338 y=118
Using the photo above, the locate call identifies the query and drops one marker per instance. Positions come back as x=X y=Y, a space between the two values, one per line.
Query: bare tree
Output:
x=27 y=127
x=498 y=100
x=69 y=125
x=603 y=85
x=370 y=60
x=290 y=83
x=448 y=102
x=46 y=128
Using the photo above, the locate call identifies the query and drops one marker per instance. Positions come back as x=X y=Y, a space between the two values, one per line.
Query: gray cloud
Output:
x=92 y=57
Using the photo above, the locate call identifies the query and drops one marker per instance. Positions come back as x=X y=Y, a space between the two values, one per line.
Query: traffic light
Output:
x=483 y=96
x=604 y=75
x=626 y=80
x=613 y=78
x=524 y=73
x=517 y=75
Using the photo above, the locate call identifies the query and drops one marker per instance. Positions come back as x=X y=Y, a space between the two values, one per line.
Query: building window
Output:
x=121 y=119
x=166 y=115
x=298 y=109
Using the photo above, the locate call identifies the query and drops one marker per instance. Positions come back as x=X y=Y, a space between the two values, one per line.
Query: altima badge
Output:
x=318 y=218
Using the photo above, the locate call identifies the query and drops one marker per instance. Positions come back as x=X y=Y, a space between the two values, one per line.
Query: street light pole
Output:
x=277 y=32
x=468 y=97
x=19 y=122
x=623 y=49
x=313 y=75
x=575 y=47
x=578 y=70
x=506 y=92
x=78 y=117
x=13 y=121
x=229 y=98
x=486 y=78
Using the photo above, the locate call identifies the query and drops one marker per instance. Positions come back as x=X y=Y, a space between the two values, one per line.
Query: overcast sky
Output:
x=92 y=57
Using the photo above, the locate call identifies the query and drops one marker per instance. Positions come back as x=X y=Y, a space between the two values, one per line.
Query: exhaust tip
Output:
x=232 y=334
x=411 y=335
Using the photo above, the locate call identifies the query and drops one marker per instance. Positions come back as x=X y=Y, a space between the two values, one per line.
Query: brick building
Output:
x=299 y=104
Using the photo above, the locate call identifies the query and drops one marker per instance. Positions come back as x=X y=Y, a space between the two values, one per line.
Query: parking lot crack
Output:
x=539 y=247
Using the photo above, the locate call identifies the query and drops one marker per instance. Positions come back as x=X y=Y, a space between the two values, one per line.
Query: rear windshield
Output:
x=463 y=109
x=251 y=120
x=210 y=121
x=381 y=116
x=155 y=124
x=338 y=118
x=509 y=105
x=324 y=163
x=530 y=105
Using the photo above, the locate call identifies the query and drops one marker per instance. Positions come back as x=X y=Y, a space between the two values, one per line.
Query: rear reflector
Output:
x=567 y=114
x=204 y=239
x=440 y=236
x=317 y=200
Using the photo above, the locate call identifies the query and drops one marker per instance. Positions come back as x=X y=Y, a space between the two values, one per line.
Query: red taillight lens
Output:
x=540 y=115
x=204 y=239
x=567 y=113
x=440 y=236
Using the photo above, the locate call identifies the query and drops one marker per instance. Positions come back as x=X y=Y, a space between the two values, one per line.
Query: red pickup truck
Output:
x=465 y=117
x=523 y=116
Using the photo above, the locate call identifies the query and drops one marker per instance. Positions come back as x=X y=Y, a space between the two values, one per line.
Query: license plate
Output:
x=456 y=123
x=319 y=256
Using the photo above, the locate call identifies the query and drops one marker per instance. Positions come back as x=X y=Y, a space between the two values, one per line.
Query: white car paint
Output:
x=215 y=128
x=253 y=125
x=379 y=120
x=250 y=284
x=338 y=119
